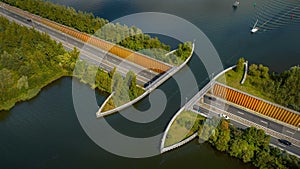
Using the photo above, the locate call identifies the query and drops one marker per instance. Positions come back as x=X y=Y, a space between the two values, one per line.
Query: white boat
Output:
x=236 y=4
x=255 y=28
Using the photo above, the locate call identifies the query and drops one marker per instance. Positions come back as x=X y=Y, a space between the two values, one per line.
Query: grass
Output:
x=233 y=79
x=185 y=125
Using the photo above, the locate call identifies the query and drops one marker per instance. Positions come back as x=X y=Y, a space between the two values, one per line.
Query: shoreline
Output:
x=11 y=104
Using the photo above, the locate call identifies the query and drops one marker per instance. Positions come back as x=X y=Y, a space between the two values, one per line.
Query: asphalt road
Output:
x=105 y=60
x=269 y=123
x=273 y=140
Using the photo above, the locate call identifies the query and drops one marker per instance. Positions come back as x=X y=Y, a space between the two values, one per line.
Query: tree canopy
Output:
x=250 y=145
x=283 y=88
x=28 y=61
x=129 y=37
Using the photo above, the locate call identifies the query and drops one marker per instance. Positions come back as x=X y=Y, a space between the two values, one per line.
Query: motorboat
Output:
x=236 y=4
x=255 y=28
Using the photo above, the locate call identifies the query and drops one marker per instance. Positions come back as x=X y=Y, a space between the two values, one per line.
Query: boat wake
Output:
x=275 y=14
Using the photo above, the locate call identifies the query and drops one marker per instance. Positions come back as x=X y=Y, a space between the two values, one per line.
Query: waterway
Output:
x=45 y=133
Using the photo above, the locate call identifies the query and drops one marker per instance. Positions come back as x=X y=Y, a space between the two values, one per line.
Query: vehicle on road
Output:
x=212 y=98
x=196 y=107
x=285 y=142
x=224 y=116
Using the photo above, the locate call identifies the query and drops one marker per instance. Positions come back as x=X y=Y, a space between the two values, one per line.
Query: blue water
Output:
x=45 y=133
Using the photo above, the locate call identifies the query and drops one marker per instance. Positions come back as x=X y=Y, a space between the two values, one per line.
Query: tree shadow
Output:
x=4 y=115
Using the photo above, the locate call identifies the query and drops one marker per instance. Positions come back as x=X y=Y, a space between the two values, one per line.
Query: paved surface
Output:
x=273 y=140
x=266 y=122
x=207 y=108
x=88 y=52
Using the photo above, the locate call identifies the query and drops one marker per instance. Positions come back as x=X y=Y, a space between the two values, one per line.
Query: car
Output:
x=197 y=108
x=212 y=98
x=29 y=20
x=285 y=142
x=224 y=116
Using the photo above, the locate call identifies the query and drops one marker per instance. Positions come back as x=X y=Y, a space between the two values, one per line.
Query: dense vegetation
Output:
x=85 y=22
x=129 y=37
x=29 y=60
x=250 y=145
x=282 y=88
x=125 y=89
x=184 y=50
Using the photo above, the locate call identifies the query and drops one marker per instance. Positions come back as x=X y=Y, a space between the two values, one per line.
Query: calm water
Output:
x=45 y=133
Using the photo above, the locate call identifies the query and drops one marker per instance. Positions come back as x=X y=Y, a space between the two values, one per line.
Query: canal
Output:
x=45 y=132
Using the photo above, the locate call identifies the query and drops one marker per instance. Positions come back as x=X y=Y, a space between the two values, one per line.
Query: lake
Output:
x=45 y=132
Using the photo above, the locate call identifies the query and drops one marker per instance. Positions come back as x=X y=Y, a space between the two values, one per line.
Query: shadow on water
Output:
x=4 y=115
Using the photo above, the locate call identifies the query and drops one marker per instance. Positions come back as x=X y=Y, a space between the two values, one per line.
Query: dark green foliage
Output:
x=221 y=136
x=184 y=50
x=85 y=22
x=129 y=37
x=125 y=89
x=283 y=88
x=240 y=65
x=250 y=145
x=29 y=60
x=256 y=137
x=143 y=41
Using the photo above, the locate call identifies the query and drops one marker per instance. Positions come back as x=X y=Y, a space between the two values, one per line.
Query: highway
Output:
x=97 y=56
x=273 y=141
x=269 y=123
x=228 y=108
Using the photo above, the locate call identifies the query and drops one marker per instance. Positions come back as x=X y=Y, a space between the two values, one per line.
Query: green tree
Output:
x=240 y=65
x=241 y=149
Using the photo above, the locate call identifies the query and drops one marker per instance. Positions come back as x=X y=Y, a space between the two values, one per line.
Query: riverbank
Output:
x=280 y=88
x=183 y=51
x=29 y=61
x=238 y=143
x=7 y=105
x=226 y=138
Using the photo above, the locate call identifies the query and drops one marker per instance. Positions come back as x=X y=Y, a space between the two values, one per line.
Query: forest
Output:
x=282 y=88
x=251 y=145
x=129 y=37
x=30 y=60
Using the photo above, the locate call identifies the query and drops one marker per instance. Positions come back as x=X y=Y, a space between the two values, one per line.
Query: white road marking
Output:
x=281 y=145
x=289 y=132
x=240 y=112
x=264 y=122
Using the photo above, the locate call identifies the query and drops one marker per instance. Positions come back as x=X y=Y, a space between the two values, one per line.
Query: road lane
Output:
x=143 y=75
x=271 y=124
